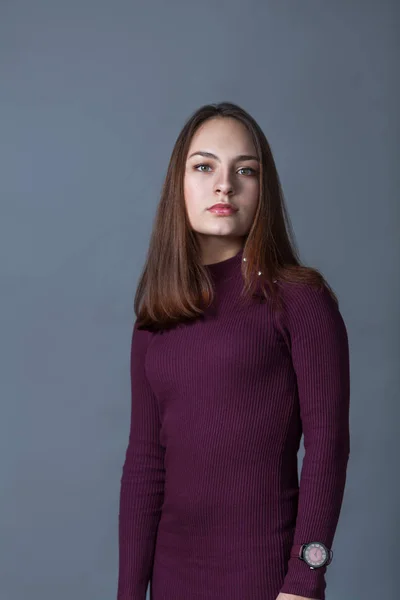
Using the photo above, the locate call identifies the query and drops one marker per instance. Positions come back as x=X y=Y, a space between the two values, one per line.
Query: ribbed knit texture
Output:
x=210 y=500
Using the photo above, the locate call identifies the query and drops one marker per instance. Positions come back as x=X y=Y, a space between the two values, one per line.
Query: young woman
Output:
x=237 y=349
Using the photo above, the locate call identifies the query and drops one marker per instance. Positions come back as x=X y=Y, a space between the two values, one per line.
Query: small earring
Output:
x=260 y=272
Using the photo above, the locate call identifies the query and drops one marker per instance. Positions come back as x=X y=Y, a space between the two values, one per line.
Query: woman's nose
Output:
x=224 y=188
x=224 y=184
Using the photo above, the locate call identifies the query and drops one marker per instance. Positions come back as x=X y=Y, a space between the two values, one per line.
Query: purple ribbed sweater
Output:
x=210 y=501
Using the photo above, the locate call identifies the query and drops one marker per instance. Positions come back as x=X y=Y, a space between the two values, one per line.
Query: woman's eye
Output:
x=202 y=165
x=247 y=169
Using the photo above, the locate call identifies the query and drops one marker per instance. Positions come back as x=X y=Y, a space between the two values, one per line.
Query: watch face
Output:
x=315 y=554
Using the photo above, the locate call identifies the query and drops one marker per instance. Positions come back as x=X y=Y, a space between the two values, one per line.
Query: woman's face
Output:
x=230 y=176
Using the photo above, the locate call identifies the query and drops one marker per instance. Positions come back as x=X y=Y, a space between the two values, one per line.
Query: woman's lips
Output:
x=222 y=210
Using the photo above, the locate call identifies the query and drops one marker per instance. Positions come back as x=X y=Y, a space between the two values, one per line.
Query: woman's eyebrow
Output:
x=211 y=155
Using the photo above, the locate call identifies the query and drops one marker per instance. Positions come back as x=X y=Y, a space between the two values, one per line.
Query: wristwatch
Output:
x=315 y=554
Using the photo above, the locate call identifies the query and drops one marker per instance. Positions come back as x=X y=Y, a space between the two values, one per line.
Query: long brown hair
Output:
x=174 y=286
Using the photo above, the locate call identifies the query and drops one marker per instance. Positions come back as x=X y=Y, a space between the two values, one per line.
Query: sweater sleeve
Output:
x=317 y=336
x=142 y=480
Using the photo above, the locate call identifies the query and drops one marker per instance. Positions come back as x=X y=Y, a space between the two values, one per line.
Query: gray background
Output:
x=93 y=94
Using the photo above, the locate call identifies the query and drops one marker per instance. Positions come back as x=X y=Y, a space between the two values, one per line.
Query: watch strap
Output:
x=296 y=550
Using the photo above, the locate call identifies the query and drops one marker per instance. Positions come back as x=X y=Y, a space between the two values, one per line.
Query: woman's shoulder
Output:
x=303 y=293
x=308 y=305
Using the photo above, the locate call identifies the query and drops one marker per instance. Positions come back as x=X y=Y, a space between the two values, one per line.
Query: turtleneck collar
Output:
x=225 y=269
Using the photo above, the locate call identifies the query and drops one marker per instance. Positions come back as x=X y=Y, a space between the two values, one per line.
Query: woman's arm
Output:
x=142 y=481
x=317 y=336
